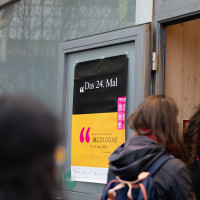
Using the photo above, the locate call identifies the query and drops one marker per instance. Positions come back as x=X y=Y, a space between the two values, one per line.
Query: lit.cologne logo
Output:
x=87 y=137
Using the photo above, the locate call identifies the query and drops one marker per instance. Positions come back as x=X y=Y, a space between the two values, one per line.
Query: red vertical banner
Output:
x=185 y=121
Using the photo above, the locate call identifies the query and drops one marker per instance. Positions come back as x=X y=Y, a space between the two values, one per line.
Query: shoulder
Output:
x=172 y=181
x=172 y=167
x=168 y=172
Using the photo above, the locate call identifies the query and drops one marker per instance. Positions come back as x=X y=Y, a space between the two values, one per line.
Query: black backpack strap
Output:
x=159 y=162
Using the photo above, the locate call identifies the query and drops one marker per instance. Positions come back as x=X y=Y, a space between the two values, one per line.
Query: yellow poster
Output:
x=98 y=120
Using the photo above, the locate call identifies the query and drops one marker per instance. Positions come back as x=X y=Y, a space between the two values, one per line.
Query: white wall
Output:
x=143 y=11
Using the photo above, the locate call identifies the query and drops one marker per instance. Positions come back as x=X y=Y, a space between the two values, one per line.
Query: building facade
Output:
x=41 y=41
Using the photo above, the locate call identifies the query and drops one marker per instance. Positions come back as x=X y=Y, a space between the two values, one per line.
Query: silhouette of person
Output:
x=28 y=138
x=155 y=133
x=192 y=141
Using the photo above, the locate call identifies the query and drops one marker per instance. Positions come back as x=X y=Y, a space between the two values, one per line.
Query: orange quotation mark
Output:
x=87 y=137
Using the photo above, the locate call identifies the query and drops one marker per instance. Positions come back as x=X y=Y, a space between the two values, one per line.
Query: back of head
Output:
x=28 y=137
x=192 y=135
x=158 y=114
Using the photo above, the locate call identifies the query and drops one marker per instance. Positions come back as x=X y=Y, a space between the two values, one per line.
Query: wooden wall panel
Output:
x=173 y=66
x=182 y=67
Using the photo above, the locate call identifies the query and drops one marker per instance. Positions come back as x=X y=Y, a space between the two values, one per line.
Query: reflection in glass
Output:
x=31 y=30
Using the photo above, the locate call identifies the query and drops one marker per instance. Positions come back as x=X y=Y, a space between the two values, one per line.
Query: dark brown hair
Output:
x=192 y=135
x=28 y=138
x=158 y=113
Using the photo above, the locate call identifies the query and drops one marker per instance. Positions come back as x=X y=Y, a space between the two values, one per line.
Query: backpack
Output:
x=141 y=189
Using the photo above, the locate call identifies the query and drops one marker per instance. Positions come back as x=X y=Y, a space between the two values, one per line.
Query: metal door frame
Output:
x=164 y=15
x=139 y=34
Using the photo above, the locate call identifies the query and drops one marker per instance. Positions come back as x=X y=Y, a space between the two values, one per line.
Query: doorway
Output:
x=182 y=66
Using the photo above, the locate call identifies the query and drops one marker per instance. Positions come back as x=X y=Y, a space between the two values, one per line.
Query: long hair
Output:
x=28 y=137
x=192 y=136
x=158 y=113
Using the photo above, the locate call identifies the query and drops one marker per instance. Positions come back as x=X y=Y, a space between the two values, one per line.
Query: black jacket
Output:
x=195 y=175
x=172 y=181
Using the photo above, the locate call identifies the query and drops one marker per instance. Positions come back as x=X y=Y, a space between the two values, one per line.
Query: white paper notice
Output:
x=89 y=174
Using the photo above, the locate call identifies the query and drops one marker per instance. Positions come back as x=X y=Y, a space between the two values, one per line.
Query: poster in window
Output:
x=98 y=119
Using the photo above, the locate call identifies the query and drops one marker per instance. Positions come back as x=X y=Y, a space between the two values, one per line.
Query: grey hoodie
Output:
x=172 y=180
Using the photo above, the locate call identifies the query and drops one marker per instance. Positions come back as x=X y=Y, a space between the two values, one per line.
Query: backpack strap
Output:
x=159 y=162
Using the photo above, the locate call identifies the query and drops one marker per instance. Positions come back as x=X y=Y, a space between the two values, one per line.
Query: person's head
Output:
x=158 y=114
x=192 y=136
x=28 y=138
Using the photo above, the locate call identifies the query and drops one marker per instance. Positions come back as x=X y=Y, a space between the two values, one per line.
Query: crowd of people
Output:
x=29 y=136
x=156 y=132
